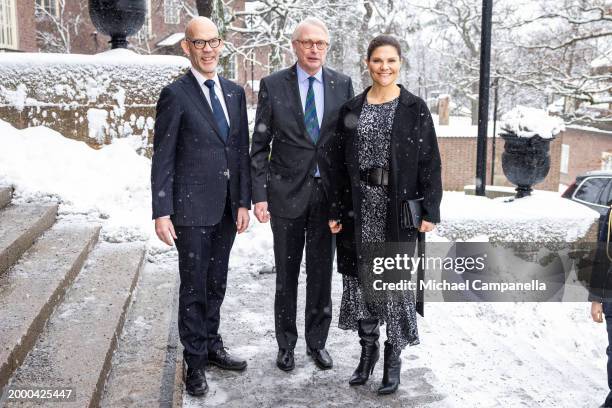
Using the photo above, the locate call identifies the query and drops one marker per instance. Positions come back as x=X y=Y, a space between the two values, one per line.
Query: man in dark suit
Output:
x=297 y=112
x=201 y=190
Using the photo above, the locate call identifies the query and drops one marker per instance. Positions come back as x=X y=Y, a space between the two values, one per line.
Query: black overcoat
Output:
x=414 y=172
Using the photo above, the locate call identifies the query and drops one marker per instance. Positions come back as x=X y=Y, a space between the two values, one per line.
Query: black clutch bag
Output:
x=411 y=213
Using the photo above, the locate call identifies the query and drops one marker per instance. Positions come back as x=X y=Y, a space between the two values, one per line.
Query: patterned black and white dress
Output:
x=398 y=312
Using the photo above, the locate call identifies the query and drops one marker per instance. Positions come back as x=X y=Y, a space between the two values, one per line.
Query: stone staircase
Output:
x=75 y=313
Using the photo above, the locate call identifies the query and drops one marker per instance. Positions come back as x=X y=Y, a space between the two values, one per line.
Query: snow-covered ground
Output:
x=471 y=354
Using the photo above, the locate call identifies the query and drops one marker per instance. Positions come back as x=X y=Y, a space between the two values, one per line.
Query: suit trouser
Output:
x=290 y=234
x=203 y=259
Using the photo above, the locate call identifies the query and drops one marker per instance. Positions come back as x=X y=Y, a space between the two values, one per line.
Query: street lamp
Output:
x=483 y=98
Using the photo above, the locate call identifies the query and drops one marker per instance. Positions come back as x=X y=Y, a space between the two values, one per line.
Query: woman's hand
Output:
x=427 y=226
x=335 y=226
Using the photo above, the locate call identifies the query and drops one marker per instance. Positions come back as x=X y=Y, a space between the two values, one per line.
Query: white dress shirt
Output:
x=317 y=87
x=218 y=91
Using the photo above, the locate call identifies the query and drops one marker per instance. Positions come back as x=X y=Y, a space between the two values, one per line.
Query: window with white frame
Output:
x=172 y=11
x=230 y=66
x=47 y=6
x=8 y=24
x=146 y=31
x=565 y=152
x=606 y=160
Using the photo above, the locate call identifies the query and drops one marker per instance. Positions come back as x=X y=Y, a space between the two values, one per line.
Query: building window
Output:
x=47 y=7
x=565 y=152
x=172 y=11
x=606 y=161
x=275 y=66
x=146 y=31
x=229 y=66
x=8 y=24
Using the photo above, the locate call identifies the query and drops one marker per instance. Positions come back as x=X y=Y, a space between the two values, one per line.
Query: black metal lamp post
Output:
x=483 y=99
x=118 y=18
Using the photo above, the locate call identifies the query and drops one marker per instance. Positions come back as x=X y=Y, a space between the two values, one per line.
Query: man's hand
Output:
x=597 y=312
x=165 y=230
x=261 y=212
x=427 y=226
x=335 y=226
x=242 y=219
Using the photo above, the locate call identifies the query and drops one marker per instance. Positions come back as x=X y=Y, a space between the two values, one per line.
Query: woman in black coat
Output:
x=386 y=155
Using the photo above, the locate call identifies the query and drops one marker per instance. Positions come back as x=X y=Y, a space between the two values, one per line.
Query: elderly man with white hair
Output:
x=297 y=113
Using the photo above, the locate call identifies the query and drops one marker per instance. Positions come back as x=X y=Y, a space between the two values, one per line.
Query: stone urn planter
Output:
x=118 y=18
x=527 y=134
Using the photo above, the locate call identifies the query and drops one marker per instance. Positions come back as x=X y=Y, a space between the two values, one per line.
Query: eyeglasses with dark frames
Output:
x=308 y=44
x=200 y=44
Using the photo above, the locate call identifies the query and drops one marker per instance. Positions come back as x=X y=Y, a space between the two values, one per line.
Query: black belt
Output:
x=375 y=176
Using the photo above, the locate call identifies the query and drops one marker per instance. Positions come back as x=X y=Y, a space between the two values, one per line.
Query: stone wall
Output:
x=91 y=98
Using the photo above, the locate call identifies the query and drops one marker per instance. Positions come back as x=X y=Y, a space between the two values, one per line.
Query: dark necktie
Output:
x=310 y=113
x=217 y=110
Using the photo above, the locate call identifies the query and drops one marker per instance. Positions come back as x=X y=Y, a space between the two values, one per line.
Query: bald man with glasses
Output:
x=201 y=191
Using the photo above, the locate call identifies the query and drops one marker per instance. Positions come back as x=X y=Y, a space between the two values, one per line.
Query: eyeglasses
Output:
x=200 y=44
x=308 y=44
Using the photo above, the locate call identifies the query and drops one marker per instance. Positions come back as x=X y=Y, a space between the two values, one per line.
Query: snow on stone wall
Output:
x=92 y=98
x=542 y=217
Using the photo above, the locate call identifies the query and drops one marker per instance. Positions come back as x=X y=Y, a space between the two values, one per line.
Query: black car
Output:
x=593 y=189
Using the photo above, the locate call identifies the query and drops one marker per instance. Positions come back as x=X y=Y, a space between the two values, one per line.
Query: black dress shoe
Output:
x=321 y=358
x=195 y=382
x=284 y=360
x=222 y=359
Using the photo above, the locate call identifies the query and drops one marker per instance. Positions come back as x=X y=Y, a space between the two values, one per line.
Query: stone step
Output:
x=144 y=365
x=6 y=194
x=20 y=225
x=31 y=289
x=76 y=347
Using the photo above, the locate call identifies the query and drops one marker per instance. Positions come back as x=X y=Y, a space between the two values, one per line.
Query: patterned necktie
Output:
x=217 y=110
x=310 y=113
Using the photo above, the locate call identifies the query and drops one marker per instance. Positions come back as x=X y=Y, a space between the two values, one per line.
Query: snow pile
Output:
x=110 y=184
x=529 y=122
x=542 y=217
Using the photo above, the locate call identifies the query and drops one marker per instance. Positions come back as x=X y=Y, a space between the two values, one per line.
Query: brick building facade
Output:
x=584 y=150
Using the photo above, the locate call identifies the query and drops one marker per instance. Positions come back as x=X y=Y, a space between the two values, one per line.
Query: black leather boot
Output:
x=391 y=371
x=370 y=351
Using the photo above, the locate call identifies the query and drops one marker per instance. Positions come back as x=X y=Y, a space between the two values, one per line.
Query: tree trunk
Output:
x=362 y=47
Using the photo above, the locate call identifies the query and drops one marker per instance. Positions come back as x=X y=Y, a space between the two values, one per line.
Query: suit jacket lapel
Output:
x=293 y=93
x=194 y=90
x=232 y=104
x=329 y=86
